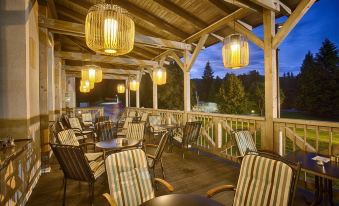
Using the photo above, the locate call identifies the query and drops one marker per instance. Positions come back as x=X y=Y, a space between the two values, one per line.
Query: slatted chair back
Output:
x=132 y=114
x=191 y=132
x=154 y=120
x=67 y=137
x=65 y=121
x=73 y=162
x=87 y=117
x=161 y=146
x=128 y=177
x=244 y=142
x=105 y=130
x=136 y=131
x=266 y=180
x=75 y=123
x=127 y=121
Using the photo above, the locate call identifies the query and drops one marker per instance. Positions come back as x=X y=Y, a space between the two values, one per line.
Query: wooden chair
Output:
x=79 y=130
x=136 y=131
x=144 y=117
x=87 y=119
x=264 y=179
x=67 y=137
x=129 y=180
x=156 y=157
x=75 y=166
x=122 y=131
x=245 y=142
x=189 y=136
x=154 y=121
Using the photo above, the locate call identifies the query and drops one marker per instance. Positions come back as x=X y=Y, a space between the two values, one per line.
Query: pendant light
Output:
x=84 y=86
x=121 y=88
x=235 y=51
x=159 y=75
x=109 y=29
x=91 y=73
x=134 y=84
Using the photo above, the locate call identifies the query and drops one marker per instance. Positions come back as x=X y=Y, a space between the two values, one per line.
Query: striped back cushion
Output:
x=263 y=181
x=154 y=120
x=245 y=142
x=135 y=131
x=87 y=117
x=191 y=132
x=144 y=117
x=128 y=177
x=127 y=121
x=74 y=123
x=67 y=137
x=132 y=114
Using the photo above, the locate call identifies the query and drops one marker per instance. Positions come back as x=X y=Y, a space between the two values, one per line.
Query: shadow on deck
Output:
x=195 y=174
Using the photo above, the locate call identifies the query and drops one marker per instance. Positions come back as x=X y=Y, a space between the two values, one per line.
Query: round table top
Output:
x=181 y=200
x=118 y=143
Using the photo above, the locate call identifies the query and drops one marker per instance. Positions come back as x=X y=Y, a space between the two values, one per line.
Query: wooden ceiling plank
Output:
x=70 y=14
x=82 y=45
x=290 y=23
x=51 y=6
x=103 y=58
x=245 y=4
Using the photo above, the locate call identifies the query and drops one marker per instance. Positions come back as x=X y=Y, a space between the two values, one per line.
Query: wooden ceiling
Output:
x=177 y=20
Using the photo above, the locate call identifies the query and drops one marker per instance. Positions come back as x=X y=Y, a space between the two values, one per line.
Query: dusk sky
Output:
x=320 y=22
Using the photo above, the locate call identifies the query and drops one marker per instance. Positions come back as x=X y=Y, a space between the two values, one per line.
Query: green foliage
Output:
x=207 y=82
x=231 y=98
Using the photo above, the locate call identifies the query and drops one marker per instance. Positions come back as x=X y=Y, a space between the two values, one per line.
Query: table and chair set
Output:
x=121 y=152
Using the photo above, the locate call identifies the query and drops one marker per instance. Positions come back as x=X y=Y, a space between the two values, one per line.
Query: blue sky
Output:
x=320 y=22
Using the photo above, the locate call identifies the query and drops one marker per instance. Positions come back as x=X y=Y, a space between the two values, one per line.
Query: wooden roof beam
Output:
x=105 y=76
x=290 y=23
x=104 y=70
x=82 y=45
x=102 y=58
x=245 y=5
x=74 y=29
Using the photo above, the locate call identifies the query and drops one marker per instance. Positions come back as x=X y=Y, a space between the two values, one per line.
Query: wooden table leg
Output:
x=317 y=192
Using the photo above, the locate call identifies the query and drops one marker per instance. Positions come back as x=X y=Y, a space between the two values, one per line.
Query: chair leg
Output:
x=183 y=153
x=64 y=196
x=162 y=168
x=91 y=194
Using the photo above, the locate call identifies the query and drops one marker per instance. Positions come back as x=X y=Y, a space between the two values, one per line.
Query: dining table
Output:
x=117 y=144
x=324 y=174
x=181 y=200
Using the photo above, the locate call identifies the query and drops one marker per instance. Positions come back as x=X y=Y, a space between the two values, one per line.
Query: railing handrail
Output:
x=307 y=122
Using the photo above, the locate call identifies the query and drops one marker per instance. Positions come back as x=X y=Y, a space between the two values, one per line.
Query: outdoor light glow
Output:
x=92 y=73
x=109 y=29
x=85 y=86
x=121 y=88
x=235 y=51
x=159 y=75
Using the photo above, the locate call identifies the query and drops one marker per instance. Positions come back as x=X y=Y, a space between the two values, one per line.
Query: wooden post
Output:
x=126 y=94
x=187 y=83
x=137 y=98
x=155 y=95
x=271 y=98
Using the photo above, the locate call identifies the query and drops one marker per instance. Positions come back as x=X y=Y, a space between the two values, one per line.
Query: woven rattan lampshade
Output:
x=84 y=86
x=235 y=51
x=134 y=84
x=121 y=88
x=109 y=30
x=159 y=75
x=91 y=73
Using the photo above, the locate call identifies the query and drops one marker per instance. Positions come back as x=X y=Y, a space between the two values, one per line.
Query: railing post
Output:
x=126 y=94
x=155 y=96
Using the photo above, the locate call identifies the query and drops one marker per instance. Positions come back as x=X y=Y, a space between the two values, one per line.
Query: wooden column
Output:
x=43 y=93
x=137 y=98
x=271 y=98
x=155 y=96
x=58 y=85
x=187 y=82
x=126 y=94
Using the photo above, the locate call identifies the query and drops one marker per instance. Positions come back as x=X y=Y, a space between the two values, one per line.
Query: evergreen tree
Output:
x=215 y=89
x=231 y=98
x=207 y=82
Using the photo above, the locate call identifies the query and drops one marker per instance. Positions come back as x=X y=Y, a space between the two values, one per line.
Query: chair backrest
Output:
x=65 y=121
x=67 y=137
x=135 y=131
x=266 y=180
x=127 y=121
x=161 y=146
x=87 y=117
x=132 y=114
x=75 y=123
x=144 y=117
x=191 y=132
x=128 y=177
x=73 y=162
x=154 y=120
x=244 y=142
x=105 y=130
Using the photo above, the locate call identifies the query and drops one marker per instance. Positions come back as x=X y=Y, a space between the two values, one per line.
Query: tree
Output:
x=207 y=81
x=231 y=98
x=215 y=88
x=146 y=91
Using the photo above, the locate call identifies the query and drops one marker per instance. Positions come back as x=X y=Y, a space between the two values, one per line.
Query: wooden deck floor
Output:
x=194 y=174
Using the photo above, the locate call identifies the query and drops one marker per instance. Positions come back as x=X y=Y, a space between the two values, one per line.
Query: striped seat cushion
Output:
x=97 y=167
x=68 y=137
x=245 y=142
x=135 y=131
x=263 y=181
x=128 y=178
x=93 y=156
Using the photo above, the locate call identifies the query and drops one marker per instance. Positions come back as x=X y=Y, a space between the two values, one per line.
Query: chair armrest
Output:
x=77 y=130
x=210 y=193
x=150 y=156
x=109 y=199
x=151 y=145
x=169 y=187
x=86 y=144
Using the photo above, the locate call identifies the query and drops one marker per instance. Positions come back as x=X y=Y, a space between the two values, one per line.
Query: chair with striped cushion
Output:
x=87 y=119
x=154 y=122
x=136 y=131
x=67 y=137
x=264 y=179
x=129 y=180
x=144 y=117
x=78 y=129
x=245 y=143
x=75 y=166
x=122 y=131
